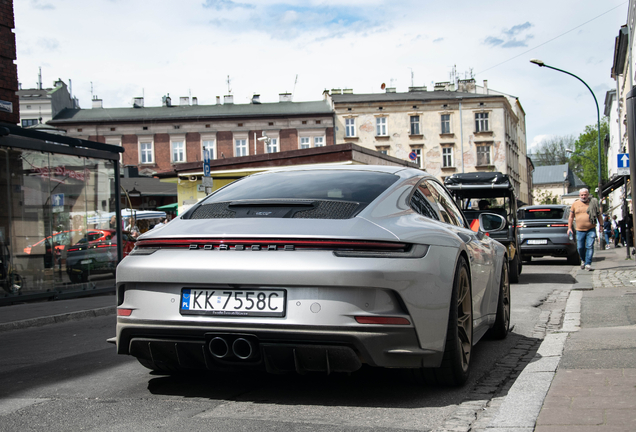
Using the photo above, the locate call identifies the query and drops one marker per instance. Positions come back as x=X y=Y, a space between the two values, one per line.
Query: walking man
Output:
x=586 y=212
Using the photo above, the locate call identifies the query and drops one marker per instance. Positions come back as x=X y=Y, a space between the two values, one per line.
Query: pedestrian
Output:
x=621 y=226
x=585 y=211
x=162 y=222
x=113 y=222
x=608 y=231
x=617 y=234
x=484 y=205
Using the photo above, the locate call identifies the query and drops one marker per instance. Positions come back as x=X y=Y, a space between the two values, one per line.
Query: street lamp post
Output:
x=540 y=63
x=572 y=152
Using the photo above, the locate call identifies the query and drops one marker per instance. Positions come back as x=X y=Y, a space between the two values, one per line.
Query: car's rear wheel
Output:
x=515 y=269
x=455 y=366
x=502 y=321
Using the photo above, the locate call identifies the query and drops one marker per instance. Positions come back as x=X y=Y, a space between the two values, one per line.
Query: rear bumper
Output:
x=275 y=350
x=555 y=250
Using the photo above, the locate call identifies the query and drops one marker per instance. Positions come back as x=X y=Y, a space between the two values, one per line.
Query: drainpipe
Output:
x=461 y=133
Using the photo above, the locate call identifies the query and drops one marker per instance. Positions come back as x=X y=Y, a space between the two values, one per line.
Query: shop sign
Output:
x=61 y=171
x=6 y=106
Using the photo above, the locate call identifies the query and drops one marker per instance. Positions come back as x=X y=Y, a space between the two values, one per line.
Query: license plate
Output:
x=86 y=261
x=267 y=303
x=537 y=242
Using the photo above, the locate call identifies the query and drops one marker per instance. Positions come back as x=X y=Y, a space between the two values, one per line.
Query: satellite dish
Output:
x=383 y=86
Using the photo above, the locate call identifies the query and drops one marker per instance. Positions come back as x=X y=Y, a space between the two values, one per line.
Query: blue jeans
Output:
x=607 y=236
x=585 y=245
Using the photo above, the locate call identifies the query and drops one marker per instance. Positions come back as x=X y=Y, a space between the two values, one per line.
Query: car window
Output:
x=449 y=211
x=357 y=186
x=541 y=213
x=92 y=236
x=423 y=202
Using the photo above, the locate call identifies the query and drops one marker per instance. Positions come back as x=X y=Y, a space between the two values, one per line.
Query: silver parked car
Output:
x=316 y=269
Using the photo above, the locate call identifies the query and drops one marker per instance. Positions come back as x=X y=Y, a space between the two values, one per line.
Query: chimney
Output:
x=218 y=100
x=228 y=99
x=138 y=102
x=256 y=99
x=97 y=103
x=390 y=89
x=284 y=97
x=417 y=89
x=166 y=101
x=485 y=86
x=184 y=101
x=195 y=101
x=347 y=91
x=336 y=91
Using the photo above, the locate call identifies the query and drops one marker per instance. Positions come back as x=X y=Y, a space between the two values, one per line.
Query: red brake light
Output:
x=536 y=210
x=382 y=320
x=124 y=312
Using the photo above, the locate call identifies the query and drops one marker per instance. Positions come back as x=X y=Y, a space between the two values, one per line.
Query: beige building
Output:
x=555 y=184
x=445 y=131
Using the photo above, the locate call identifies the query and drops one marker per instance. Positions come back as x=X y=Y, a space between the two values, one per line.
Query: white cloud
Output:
x=186 y=48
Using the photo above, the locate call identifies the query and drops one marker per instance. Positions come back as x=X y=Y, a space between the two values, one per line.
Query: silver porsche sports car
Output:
x=316 y=269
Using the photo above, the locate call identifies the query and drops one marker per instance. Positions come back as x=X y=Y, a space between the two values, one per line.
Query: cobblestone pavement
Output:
x=614 y=278
x=482 y=403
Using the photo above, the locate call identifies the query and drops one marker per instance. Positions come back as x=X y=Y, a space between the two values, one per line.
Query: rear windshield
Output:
x=358 y=186
x=540 y=213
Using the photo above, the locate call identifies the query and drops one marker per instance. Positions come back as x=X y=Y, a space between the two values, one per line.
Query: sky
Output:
x=120 y=49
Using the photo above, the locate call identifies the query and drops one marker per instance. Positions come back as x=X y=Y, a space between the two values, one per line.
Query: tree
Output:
x=551 y=151
x=545 y=197
x=584 y=160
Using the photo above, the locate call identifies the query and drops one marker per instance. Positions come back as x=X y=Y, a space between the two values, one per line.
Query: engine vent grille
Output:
x=324 y=209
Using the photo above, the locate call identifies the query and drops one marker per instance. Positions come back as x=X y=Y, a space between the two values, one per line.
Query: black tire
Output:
x=455 y=367
x=515 y=269
x=502 y=322
x=573 y=258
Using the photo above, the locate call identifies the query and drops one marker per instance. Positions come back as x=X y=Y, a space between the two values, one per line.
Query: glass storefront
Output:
x=57 y=229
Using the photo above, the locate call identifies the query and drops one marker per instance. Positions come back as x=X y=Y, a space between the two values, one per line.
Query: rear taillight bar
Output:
x=341 y=248
x=269 y=244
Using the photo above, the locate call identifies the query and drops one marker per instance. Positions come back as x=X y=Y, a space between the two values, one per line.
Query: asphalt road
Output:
x=66 y=377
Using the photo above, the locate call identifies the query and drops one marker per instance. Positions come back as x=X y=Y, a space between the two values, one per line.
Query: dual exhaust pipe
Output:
x=241 y=348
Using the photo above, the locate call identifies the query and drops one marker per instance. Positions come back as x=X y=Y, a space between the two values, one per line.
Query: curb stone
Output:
x=477 y=413
x=56 y=319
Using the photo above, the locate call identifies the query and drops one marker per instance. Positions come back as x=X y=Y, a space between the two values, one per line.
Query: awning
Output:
x=613 y=184
x=169 y=207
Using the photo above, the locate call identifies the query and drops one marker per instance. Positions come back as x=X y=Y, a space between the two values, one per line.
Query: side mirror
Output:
x=489 y=222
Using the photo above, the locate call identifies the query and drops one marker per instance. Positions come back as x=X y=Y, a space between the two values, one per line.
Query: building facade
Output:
x=444 y=131
x=9 y=109
x=39 y=105
x=618 y=188
x=555 y=184
x=158 y=139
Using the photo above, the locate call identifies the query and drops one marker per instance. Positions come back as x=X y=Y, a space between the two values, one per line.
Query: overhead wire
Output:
x=550 y=40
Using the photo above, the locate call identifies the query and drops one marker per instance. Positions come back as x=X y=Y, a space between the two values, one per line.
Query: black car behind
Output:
x=543 y=231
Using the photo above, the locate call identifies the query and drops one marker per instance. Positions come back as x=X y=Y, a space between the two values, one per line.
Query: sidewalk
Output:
x=40 y=313
x=583 y=377
x=594 y=388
